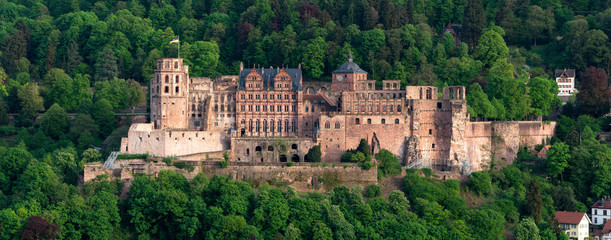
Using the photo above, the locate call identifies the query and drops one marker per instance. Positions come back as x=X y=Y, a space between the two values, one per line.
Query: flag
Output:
x=175 y=40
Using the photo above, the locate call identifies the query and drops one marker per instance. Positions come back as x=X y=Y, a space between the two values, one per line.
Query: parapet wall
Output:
x=503 y=139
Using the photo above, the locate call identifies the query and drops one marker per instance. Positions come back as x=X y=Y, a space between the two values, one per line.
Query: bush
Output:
x=290 y=164
x=184 y=165
x=132 y=156
x=373 y=191
x=314 y=154
x=366 y=165
x=167 y=160
x=427 y=172
x=480 y=182
x=388 y=163
x=223 y=164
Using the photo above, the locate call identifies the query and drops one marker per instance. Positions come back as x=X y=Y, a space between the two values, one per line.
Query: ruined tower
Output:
x=169 y=94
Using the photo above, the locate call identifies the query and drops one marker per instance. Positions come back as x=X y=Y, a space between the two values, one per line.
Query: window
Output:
x=429 y=94
x=337 y=125
x=307 y=108
x=368 y=120
x=177 y=80
x=167 y=89
x=396 y=121
x=327 y=125
x=243 y=96
x=176 y=89
x=433 y=146
x=175 y=64
x=357 y=121
x=430 y=131
x=264 y=96
x=383 y=121
x=438 y=105
x=167 y=79
x=264 y=125
x=286 y=125
x=271 y=128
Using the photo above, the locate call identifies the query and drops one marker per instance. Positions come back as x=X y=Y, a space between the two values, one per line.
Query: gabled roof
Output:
x=543 y=152
x=268 y=75
x=602 y=203
x=349 y=67
x=607 y=228
x=564 y=73
x=569 y=217
x=320 y=98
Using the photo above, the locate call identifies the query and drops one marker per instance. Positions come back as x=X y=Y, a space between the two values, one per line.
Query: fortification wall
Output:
x=270 y=150
x=142 y=138
x=304 y=177
x=503 y=139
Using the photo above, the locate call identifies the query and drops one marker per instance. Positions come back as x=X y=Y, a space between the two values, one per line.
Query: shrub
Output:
x=184 y=165
x=373 y=191
x=388 y=163
x=480 y=182
x=223 y=164
x=427 y=172
x=167 y=160
x=132 y=156
x=366 y=165
x=290 y=164
x=314 y=154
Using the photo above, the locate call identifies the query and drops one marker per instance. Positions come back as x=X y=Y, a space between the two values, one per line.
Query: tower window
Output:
x=383 y=121
x=176 y=89
x=357 y=121
x=167 y=79
x=167 y=89
x=177 y=79
x=439 y=105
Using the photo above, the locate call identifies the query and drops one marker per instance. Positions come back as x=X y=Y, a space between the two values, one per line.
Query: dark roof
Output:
x=569 y=217
x=602 y=203
x=268 y=75
x=349 y=67
x=456 y=28
x=564 y=73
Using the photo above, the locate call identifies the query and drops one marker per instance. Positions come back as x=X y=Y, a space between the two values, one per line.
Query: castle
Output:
x=266 y=115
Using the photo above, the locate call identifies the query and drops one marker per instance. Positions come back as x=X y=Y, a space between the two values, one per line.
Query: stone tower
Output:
x=169 y=94
x=346 y=77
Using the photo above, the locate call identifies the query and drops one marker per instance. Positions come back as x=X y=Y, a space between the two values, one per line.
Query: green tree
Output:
x=313 y=59
x=30 y=100
x=91 y=155
x=106 y=66
x=203 y=58
x=539 y=21
x=150 y=64
x=104 y=116
x=478 y=103
x=491 y=47
x=54 y=123
x=480 y=182
x=388 y=163
x=557 y=157
x=534 y=202
x=543 y=95
x=314 y=154
x=474 y=21
x=527 y=230
x=4 y=117
x=486 y=224
x=13 y=163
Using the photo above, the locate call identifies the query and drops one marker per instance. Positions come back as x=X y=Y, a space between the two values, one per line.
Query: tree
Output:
x=478 y=103
x=150 y=64
x=204 y=58
x=557 y=157
x=313 y=59
x=491 y=47
x=91 y=155
x=474 y=21
x=106 y=66
x=15 y=47
x=13 y=163
x=314 y=154
x=543 y=95
x=388 y=163
x=54 y=123
x=480 y=182
x=594 y=97
x=30 y=100
x=527 y=230
x=4 y=117
x=534 y=202
x=486 y=223
x=104 y=116
x=539 y=21
x=39 y=228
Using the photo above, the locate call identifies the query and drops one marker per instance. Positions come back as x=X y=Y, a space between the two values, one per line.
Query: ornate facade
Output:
x=264 y=115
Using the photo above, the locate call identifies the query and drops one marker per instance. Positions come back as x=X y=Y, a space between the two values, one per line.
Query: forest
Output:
x=69 y=66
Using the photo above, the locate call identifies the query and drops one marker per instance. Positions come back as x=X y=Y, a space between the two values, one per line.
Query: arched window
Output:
x=357 y=121
x=368 y=120
x=337 y=125
x=327 y=125
x=167 y=89
x=396 y=121
x=271 y=126
x=177 y=79
x=264 y=125
x=193 y=107
x=294 y=146
x=175 y=64
x=216 y=108
x=167 y=79
x=383 y=121
x=222 y=108
x=316 y=124
x=258 y=126
x=293 y=126
x=177 y=90
x=429 y=94
x=279 y=126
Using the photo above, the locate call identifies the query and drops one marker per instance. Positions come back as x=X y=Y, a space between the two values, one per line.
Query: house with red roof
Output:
x=575 y=224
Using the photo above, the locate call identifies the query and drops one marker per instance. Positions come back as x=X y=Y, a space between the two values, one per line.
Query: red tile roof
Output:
x=607 y=228
x=606 y=203
x=569 y=217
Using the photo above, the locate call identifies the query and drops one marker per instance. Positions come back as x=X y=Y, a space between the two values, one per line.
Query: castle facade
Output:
x=266 y=115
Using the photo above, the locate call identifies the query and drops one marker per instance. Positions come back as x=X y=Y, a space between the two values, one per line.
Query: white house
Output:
x=575 y=224
x=601 y=211
x=605 y=233
x=566 y=82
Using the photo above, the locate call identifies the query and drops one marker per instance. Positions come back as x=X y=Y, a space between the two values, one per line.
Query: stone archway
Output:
x=283 y=158
x=295 y=158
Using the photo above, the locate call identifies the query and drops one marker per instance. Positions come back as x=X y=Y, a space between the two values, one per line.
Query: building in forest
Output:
x=268 y=115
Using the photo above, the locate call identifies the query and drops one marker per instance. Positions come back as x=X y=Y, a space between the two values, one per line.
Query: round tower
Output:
x=169 y=94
